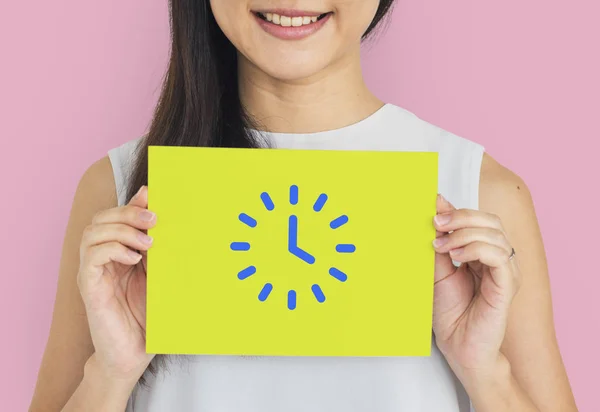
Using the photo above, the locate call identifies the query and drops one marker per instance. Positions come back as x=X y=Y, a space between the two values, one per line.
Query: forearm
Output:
x=97 y=392
x=497 y=390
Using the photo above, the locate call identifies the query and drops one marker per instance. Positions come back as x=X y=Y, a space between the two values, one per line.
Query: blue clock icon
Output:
x=293 y=247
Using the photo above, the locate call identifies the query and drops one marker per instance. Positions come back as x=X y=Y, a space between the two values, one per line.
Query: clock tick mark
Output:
x=264 y=293
x=240 y=246
x=266 y=199
x=294 y=195
x=247 y=220
x=246 y=273
x=339 y=221
x=292 y=300
x=338 y=274
x=345 y=248
x=316 y=289
x=320 y=202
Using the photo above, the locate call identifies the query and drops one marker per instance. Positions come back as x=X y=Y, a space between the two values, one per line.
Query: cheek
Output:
x=232 y=18
x=355 y=16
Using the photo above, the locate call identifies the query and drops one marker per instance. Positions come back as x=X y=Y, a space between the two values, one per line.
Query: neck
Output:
x=335 y=97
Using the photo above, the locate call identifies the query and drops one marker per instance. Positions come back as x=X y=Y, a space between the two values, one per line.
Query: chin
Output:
x=290 y=67
x=291 y=74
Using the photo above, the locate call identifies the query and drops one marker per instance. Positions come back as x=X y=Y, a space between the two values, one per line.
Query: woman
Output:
x=243 y=66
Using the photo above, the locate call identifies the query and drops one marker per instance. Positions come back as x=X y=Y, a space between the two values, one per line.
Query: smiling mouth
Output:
x=290 y=21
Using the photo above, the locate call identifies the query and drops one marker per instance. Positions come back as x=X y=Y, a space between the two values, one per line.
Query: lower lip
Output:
x=291 y=33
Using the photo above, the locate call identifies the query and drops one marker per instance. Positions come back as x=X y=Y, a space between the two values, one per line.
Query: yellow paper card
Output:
x=291 y=252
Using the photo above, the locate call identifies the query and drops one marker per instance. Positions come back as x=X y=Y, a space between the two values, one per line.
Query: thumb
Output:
x=140 y=199
x=443 y=261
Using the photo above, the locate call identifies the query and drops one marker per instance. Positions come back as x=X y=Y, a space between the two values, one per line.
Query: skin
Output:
x=492 y=316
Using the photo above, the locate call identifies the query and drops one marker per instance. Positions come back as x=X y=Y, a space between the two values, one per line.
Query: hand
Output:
x=471 y=302
x=112 y=282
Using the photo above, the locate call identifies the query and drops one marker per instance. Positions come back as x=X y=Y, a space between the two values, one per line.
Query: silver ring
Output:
x=512 y=254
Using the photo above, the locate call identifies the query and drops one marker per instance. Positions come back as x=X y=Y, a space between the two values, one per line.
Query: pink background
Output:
x=78 y=78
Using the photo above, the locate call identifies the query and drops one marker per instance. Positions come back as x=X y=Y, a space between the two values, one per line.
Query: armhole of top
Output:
x=475 y=175
x=114 y=155
x=122 y=159
x=115 y=161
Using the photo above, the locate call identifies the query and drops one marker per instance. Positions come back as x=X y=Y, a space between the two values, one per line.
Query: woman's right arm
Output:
x=97 y=371
x=100 y=392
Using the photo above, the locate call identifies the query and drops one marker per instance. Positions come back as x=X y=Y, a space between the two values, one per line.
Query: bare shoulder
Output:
x=96 y=188
x=96 y=191
x=504 y=193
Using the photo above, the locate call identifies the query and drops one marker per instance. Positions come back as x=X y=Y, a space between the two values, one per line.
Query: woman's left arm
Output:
x=493 y=315
x=530 y=344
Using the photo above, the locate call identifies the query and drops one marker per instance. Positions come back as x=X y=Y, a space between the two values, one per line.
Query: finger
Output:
x=98 y=256
x=115 y=232
x=140 y=199
x=503 y=271
x=134 y=212
x=131 y=215
x=443 y=205
x=490 y=255
x=144 y=260
x=443 y=263
x=461 y=237
x=462 y=218
x=105 y=253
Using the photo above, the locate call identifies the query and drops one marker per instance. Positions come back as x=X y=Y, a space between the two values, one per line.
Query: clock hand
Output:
x=308 y=258
x=292 y=233
x=293 y=242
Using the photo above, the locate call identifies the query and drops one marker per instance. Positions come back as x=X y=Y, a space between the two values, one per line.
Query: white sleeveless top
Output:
x=294 y=384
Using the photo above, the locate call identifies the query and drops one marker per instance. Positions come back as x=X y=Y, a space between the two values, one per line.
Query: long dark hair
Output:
x=199 y=103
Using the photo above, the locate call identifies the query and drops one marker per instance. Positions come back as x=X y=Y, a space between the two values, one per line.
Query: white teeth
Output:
x=287 y=21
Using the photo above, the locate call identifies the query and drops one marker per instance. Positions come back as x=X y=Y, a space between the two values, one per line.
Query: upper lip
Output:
x=291 y=12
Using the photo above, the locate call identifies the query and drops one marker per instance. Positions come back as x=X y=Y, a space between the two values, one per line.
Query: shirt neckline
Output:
x=363 y=123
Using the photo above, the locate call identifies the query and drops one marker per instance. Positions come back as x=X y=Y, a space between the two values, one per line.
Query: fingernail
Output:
x=455 y=252
x=442 y=198
x=146 y=216
x=133 y=255
x=144 y=238
x=442 y=219
x=440 y=241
